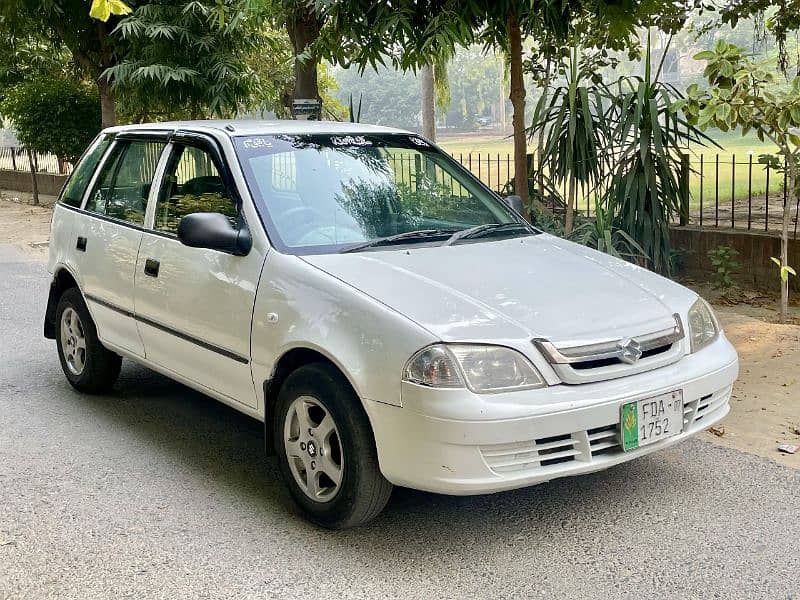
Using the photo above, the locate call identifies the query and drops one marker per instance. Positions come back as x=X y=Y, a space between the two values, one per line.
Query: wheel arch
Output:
x=291 y=360
x=63 y=279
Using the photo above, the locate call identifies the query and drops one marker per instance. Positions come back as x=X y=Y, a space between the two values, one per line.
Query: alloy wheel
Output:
x=313 y=448
x=73 y=341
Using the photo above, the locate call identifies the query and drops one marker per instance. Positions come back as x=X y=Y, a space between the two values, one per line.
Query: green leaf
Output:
x=705 y=55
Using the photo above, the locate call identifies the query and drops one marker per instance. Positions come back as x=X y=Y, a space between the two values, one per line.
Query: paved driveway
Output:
x=156 y=491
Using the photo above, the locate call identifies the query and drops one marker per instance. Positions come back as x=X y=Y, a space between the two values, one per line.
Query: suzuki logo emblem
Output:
x=629 y=351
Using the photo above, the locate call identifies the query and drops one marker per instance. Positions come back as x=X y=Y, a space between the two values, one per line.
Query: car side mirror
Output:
x=214 y=232
x=515 y=203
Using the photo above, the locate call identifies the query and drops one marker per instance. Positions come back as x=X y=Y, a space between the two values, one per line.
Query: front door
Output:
x=195 y=306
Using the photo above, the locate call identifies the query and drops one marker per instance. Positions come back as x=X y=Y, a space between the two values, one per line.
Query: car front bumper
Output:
x=454 y=442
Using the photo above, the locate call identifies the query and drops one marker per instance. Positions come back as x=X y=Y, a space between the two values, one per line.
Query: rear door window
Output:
x=79 y=180
x=123 y=184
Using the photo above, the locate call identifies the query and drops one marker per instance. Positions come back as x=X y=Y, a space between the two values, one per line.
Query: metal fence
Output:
x=724 y=191
x=15 y=158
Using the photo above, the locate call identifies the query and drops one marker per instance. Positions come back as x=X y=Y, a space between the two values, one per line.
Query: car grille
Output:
x=542 y=454
x=555 y=450
x=697 y=410
x=585 y=362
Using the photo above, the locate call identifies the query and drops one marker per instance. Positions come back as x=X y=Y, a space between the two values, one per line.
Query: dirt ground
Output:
x=765 y=408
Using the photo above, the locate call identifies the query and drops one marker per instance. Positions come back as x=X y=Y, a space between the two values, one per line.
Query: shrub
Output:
x=723 y=258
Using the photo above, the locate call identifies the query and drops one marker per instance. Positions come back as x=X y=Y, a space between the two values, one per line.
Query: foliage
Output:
x=602 y=234
x=354 y=115
x=648 y=134
x=743 y=94
x=53 y=115
x=784 y=18
x=26 y=54
x=391 y=97
x=573 y=123
x=189 y=57
x=723 y=259
x=785 y=270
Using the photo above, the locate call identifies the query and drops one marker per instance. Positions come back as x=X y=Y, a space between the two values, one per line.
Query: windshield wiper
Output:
x=482 y=230
x=406 y=236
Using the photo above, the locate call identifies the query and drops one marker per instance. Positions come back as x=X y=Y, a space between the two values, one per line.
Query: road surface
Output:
x=156 y=491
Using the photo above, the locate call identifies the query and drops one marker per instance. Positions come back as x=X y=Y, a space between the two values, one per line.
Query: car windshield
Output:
x=336 y=193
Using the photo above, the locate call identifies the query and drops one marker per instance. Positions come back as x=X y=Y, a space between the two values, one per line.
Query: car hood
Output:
x=535 y=286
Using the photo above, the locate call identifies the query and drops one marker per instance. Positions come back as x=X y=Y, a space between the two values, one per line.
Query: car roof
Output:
x=239 y=127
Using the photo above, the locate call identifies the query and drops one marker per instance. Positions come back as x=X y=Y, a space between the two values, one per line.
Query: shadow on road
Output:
x=225 y=448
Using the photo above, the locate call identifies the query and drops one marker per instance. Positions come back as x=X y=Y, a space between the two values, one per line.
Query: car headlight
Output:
x=703 y=326
x=481 y=368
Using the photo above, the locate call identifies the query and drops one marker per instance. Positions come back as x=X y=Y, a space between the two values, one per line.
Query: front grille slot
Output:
x=604 y=440
x=607 y=362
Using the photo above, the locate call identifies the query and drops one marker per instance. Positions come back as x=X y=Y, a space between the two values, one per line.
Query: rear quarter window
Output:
x=76 y=185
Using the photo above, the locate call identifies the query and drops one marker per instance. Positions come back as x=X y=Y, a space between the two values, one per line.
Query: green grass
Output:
x=731 y=182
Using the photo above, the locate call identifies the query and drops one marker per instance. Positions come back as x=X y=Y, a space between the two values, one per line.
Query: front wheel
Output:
x=326 y=449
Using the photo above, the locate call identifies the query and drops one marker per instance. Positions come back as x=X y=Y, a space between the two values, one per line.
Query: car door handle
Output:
x=81 y=244
x=151 y=267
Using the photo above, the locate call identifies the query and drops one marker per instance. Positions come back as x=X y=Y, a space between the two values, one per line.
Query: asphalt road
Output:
x=156 y=491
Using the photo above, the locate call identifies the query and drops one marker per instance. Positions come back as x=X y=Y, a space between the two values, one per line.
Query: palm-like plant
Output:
x=573 y=121
x=648 y=136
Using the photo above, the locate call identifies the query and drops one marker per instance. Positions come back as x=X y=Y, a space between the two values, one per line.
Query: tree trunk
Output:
x=303 y=28
x=569 y=220
x=428 y=102
x=34 y=182
x=108 y=108
x=502 y=104
x=517 y=97
x=787 y=209
x=540 y=145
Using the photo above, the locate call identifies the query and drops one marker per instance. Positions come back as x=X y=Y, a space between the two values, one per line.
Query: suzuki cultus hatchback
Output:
x=390 y=319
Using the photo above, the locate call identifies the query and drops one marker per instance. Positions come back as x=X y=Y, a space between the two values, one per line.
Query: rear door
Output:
x=195 y=306
x=108 y=235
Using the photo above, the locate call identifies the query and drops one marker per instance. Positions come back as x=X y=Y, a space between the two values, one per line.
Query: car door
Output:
x=194 y=305
x=107 y=238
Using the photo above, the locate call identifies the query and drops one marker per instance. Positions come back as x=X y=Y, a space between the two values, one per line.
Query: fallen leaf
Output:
x=717 y=431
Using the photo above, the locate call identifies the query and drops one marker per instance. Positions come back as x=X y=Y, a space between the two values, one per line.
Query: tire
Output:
x=362 y=492
x=93 y=368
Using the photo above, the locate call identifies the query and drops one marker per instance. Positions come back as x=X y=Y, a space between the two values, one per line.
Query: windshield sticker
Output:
x=419 y=142
x=350 y=140
x=257 y=142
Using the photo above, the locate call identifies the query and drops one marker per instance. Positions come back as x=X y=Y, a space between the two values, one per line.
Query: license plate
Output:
x=647 y=421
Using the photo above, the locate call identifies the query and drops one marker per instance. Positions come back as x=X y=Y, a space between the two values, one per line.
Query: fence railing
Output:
x=15 y=158
x=724 y=191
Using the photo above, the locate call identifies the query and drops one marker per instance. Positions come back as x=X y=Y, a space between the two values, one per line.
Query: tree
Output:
x=52 y=115
x=743 y=94
x=88 y=40
x=191 y=58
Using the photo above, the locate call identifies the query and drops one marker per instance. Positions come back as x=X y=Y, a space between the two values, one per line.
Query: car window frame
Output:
x=207 y=144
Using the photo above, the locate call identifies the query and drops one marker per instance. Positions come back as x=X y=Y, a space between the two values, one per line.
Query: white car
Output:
x=390 y=319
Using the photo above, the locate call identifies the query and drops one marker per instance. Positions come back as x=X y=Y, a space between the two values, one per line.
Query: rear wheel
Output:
x=89 y=366
x=326 y=449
